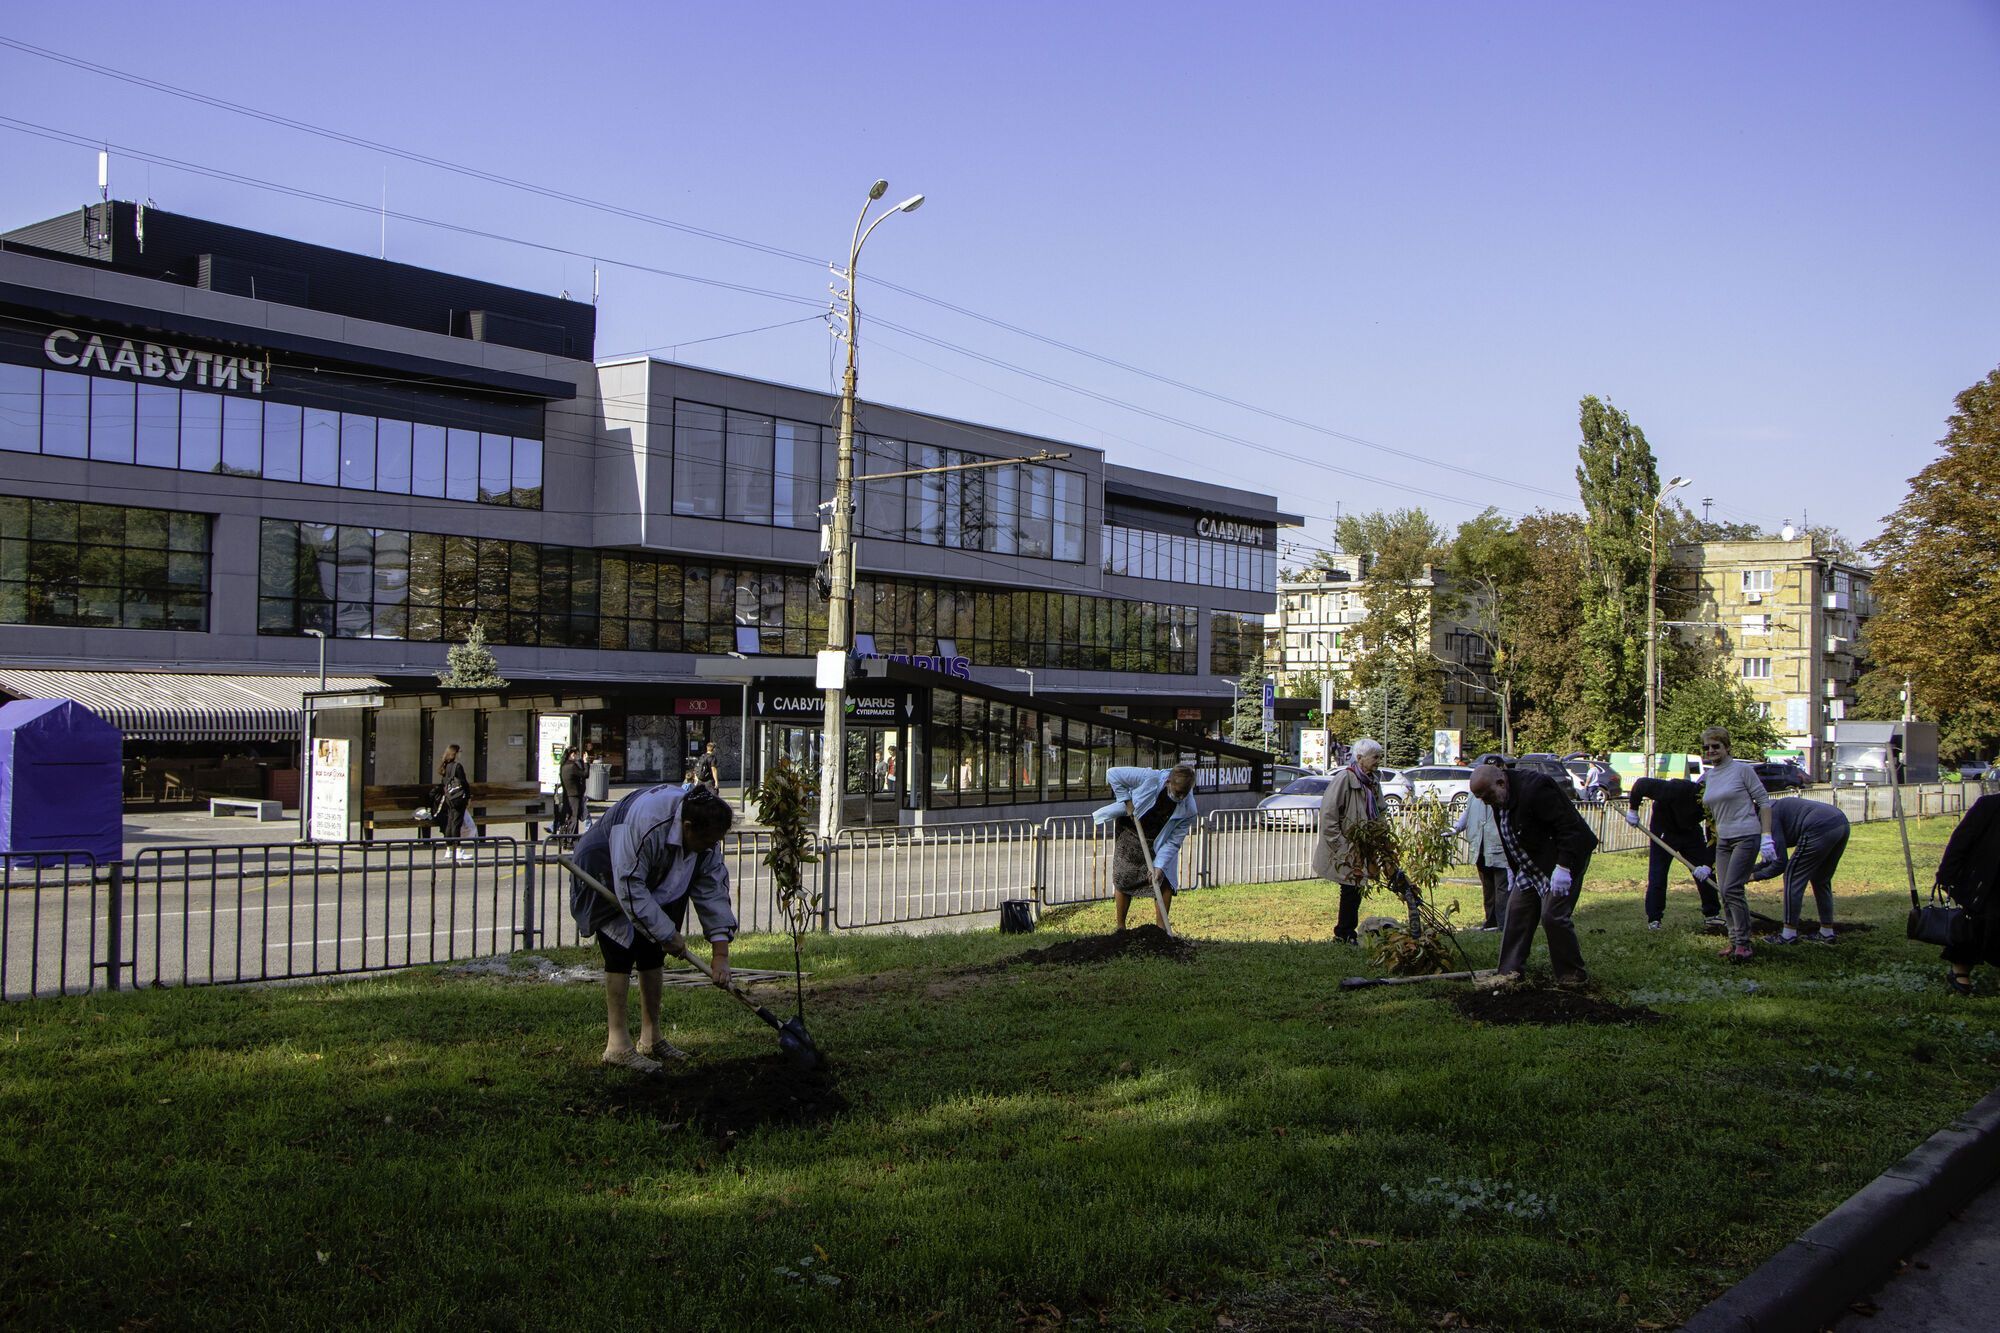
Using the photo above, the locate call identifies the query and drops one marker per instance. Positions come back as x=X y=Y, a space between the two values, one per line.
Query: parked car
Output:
x=1294 y=805
x=1397 y=787
x=1446 y=782
x=1782 y=775
x=1582 y=767
x=1974 y=770
x=1989 y=781
x=1550 y=766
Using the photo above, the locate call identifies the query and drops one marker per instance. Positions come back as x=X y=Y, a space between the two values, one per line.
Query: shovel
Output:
x=1153 y=874
x=793 y=1039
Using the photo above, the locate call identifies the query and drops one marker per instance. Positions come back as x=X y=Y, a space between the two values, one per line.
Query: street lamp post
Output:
x=1031 y=680
x=833 y=754
x=1653 y=611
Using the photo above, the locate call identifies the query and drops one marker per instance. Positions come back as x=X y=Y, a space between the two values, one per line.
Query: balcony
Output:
x=1836 y=601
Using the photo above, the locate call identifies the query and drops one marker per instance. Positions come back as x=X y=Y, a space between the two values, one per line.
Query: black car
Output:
x=1550 y=767
x=1782 y=776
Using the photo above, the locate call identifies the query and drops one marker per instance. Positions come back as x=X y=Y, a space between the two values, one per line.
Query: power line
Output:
x=620 y=210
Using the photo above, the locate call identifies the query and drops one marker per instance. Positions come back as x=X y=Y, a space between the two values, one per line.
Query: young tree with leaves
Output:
x=1618 y=481
x=1713 y=701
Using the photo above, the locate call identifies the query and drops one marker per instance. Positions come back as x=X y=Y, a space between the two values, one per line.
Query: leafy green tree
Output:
x=1400 y=598
x=1403 y=729
x=1713 y=701
x=787 y=804
x=471 y=665
x=1246 y=724
x=1937 y=590
x=1618 y=481
x=1489 y=565
x=1546 y=663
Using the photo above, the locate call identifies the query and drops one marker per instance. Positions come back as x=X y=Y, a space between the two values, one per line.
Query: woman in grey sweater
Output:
x=1741 y=811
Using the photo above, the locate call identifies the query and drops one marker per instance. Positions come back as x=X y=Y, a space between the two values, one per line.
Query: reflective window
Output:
x=242 y=436
x=392 y=456
x=427 y=460
x=795 y=476
x=201 y=432
x=528 y=473
x=63 y=563
x=698 y=460
x=112 y=410
x=357 y=451
x=1070 y=515
x=65 y=414
x=320 y=465
x=748 y=484
x=283 y=424
x=882 y=502
x=20 y=409
x=496 y=468
x=461 y=476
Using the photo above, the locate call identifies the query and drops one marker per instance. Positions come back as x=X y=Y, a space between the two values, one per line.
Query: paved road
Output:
x=1953 y=1283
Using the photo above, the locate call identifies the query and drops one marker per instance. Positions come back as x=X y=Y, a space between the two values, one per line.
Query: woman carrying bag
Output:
x=454 y=793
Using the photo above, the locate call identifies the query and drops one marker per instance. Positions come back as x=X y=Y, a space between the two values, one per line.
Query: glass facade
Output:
x=65 y=563
x=1235 y=643
x=355 y=582
x=1140 y=553
x=744 y=467
x=69 y=415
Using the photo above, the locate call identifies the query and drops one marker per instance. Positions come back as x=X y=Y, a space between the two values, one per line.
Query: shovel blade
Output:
x=796 y=1042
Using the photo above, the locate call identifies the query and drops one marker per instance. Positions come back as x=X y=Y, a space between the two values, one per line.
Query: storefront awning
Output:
x=183 y=706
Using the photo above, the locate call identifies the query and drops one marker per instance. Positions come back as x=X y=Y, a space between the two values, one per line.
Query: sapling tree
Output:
x=786 y=806
x=1412 y=854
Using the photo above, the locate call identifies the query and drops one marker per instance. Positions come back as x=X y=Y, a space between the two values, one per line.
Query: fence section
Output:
x=204 y=915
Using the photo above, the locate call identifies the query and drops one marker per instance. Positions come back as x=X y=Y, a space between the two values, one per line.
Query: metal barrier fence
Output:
x=208 y=915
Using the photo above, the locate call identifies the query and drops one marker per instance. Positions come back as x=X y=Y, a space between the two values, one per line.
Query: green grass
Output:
x=1137 y=1145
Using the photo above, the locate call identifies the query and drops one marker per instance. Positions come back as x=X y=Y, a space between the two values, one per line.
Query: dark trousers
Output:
x=1527 y=909
x=1660 y=865
x=570 y=815
x=1812 y=864
x=1493 y=888
x=1350 y=912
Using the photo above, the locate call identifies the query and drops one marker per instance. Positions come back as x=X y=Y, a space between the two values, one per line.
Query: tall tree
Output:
x=1937 y=591
x=1546 y=621
x=1714 y=701
x=1488 y=565
x=1399 y=600
x=1387 y=712
x=1618 y=480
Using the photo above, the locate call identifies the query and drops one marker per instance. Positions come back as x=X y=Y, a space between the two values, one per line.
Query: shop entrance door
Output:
x=799 y=744
x=874 y=779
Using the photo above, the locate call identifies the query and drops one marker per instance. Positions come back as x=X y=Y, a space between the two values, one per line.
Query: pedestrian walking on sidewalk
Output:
x=708 y=770
x=1969 y=872
x=1741 y=811
x=1161 y=802
x=1810 y=838
x=1676 y=821
x=657 y=850
x=1352 y=799
x=453 y=795
x=1548 y=847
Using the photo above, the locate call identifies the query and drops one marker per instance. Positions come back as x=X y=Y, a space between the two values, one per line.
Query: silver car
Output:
x=1294 y=805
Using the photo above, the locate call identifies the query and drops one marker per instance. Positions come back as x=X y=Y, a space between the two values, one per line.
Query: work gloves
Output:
x=1767 y=848
x=1703 y=874
x=1559 y=882
x=1632 y=818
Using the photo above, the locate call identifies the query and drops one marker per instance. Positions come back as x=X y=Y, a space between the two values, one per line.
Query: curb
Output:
x=1847 y=1253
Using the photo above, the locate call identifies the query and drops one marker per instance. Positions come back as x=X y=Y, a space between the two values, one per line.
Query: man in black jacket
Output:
x=1970 y=872
x=1677 y=816
x=1548 y=848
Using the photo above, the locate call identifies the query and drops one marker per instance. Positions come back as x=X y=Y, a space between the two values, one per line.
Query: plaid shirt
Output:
x=1525 y=874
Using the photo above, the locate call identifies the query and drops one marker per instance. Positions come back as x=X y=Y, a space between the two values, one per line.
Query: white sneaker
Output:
x=631 y=1060
x=1652 y=925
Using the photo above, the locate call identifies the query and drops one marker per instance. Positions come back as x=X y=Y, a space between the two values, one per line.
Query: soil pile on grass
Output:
x=1551 y=1006
x=1144 y=942
x=724 y=1100
x=1763 y=922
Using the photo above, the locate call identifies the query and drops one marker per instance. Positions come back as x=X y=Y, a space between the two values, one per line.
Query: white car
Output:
x=1397 y=787
x=1447 y=783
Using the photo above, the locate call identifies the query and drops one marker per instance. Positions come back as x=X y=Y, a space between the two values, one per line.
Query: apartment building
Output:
x=1791 y=618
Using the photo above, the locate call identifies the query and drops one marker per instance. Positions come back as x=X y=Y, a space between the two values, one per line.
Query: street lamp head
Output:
x=315 y=633
x=910 y=205
x=878 y=189
x=1675 y=483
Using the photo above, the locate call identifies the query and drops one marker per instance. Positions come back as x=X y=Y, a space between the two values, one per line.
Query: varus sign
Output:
x=154 y=361
x=1228 y=530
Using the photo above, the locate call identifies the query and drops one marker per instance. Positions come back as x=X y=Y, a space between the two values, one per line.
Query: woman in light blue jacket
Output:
x=1161 y=801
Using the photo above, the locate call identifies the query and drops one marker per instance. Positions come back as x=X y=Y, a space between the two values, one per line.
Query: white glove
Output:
x=1767 y=847
x=1559 y=883
x=1632 y=818
x=1702 y=874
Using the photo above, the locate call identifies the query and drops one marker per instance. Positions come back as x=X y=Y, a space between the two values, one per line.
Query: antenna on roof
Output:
x=596 y=286
x=104 y=175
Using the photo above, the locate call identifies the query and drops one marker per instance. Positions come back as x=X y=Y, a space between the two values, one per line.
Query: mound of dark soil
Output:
x=723 y=1100
x=1762 y=922
x=1143 y=942
x=1550 y=1006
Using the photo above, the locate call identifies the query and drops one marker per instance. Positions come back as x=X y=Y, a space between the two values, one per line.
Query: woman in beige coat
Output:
x=1352 y=799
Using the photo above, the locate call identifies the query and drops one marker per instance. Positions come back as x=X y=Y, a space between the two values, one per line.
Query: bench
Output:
x=395 y=805
x=266 y=811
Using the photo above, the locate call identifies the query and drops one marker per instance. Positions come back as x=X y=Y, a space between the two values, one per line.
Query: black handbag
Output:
x=1938 y=922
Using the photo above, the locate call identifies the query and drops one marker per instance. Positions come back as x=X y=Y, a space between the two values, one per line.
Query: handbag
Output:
x=1938 y=922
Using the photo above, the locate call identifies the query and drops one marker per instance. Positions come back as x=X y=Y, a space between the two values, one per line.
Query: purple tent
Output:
x=61 y=769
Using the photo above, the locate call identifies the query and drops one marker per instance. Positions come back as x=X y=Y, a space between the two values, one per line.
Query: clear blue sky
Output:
x=1765 y=230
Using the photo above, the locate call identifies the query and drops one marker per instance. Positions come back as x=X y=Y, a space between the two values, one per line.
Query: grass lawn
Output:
x=1231 y=1142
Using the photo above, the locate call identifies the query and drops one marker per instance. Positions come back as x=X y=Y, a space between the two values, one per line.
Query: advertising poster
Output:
x=1312 y=748
x=553 y=733
x=329 y=790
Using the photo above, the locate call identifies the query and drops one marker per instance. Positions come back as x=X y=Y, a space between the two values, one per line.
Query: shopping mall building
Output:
x=215 y=443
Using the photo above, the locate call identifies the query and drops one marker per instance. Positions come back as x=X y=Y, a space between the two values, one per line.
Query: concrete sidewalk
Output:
x=1952 y=1284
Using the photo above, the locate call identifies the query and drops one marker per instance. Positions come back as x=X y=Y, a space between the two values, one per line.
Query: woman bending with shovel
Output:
x=1153 y=809
x=657 y=849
